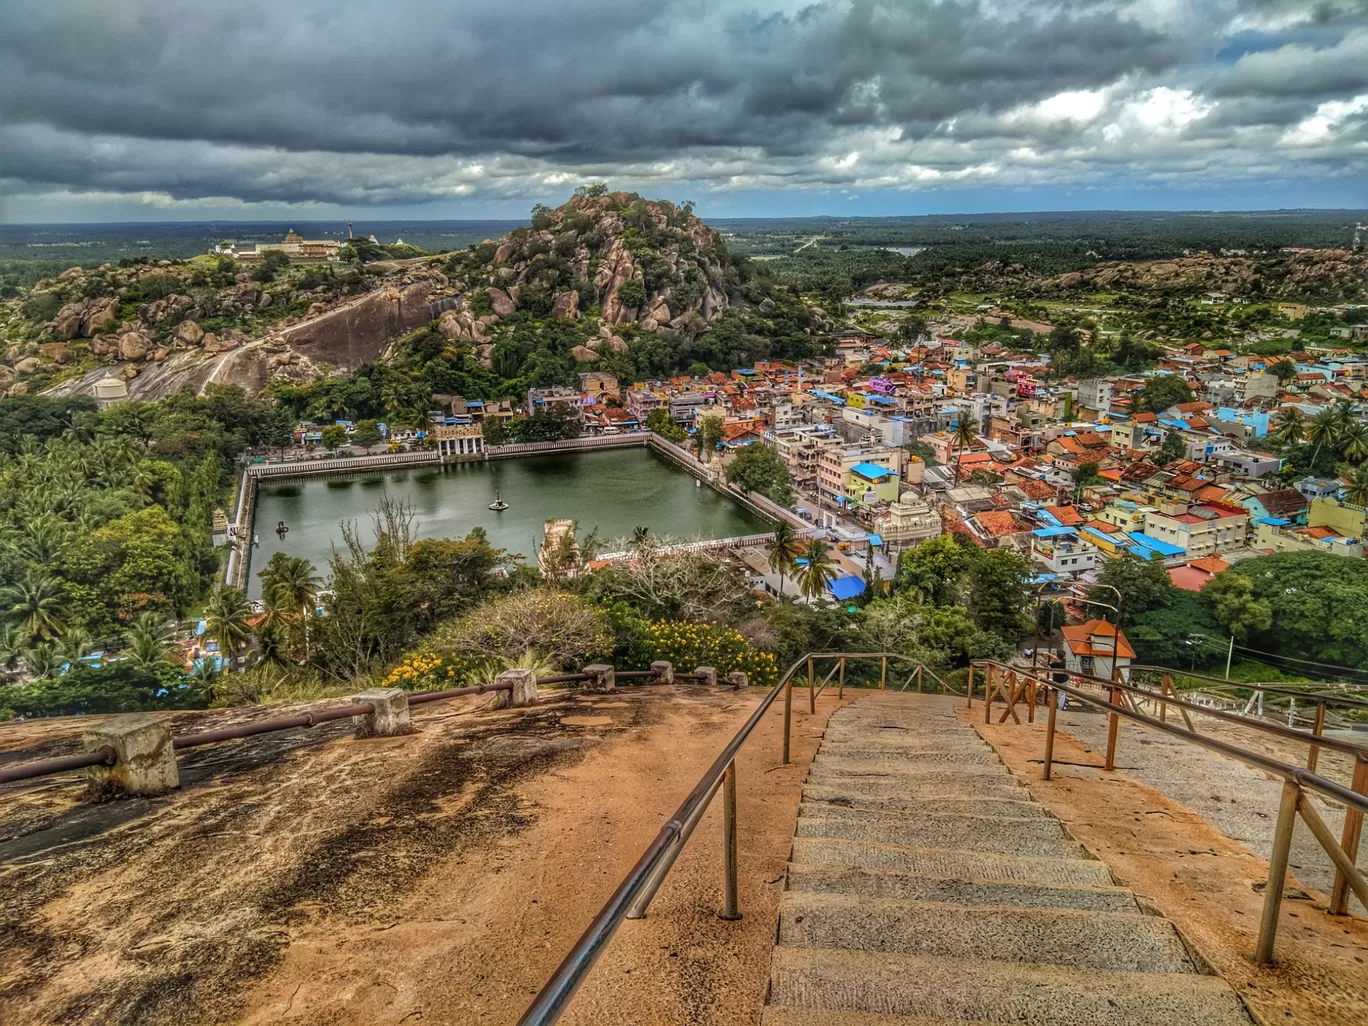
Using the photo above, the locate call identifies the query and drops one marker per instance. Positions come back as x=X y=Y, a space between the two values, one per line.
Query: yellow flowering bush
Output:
x=688 y=645
x=426 y=671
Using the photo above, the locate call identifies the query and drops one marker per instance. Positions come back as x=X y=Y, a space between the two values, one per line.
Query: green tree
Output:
x=495 y=431
x=1235 y=606
x=149 y=643
x=1353 y=442
x=935 y=569
x=1290 y=427
x=1144 y=584
x=760 y=468
x=367 y=432
x=334 y=435
x=1356 y=490
x=228 y=620
x=1180 y=632
x=1161 y=392
x=782 y=550
x=816 y=571
x=660 y=421
x=964 y=436
x=1174 y=448
x=1325 y=429
x=999 y=592
x=35 y=603
x=708 y=434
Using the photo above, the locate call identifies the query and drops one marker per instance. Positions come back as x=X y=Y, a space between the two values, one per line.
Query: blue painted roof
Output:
x=1054 y=532
x=1144 y=541
x=871 y=470
x=846 y=587
x=874 y=539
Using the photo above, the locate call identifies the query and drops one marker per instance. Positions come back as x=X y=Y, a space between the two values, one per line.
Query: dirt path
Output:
x=438 y=878
x=1202 y=880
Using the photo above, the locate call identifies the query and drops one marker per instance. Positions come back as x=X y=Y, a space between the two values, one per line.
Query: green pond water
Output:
x=612 y=490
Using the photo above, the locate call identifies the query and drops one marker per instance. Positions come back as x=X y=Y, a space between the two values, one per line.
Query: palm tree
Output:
x=1353 y=442
x=43 y=661
x=13 y=644
x=782 y=550
x=226 y=620
x=149 y=641
x=817 y=571
x=641 y=537
x=74 y=645
x=1291 y=426
x=964 y=437
x=1324 y=430
x=35 y=603
x=1357 y=489
x=290 y=585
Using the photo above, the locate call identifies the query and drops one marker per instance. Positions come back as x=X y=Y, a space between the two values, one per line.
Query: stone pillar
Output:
x=524 y=689
x=738 y=680
x=707 y=675
x=602 y=679
x=146 y=762
x=391 y=715
x=664 y=671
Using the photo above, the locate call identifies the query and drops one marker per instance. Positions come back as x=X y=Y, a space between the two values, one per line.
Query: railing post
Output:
x=1050 y=732
x=970 y=689
x=729 y=900
x=1318 y=730
x=146 y=763
x=883 y=673
x=389 y=715
x=919 y=678
x=788 y=714
x=1277 y=872
x=1030 y=709
x=1113 y=722
x=840 y=686
x=812 y=689
x=1349 y=840
x=990 y=687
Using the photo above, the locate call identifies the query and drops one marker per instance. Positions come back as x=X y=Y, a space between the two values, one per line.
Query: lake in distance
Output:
x=613 y=490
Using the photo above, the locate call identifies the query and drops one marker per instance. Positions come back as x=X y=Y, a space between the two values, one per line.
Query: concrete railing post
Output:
x=738 y=680
x=664 y=671
x=707 y=675
x=146 y=763
x=602 y=678
x=389 y=715
x=524 y=689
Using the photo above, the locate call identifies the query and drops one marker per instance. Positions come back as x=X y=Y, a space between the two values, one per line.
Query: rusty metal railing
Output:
x=106 y=755
x=1296 y=780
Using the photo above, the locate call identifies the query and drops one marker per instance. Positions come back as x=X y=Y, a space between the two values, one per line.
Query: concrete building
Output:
x=459 y=441
x=1201 y=529
x=868 y=483
x=834 y=466
x=1062 y=551
x=907 y=523
x=298 y=249
x=1097 y=648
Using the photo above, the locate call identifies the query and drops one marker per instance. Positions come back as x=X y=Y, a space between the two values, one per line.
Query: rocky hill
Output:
x=611 y=262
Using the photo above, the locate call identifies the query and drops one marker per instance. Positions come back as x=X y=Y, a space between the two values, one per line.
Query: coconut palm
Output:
x=1324 y=430
x=964 y=436
x=227 y=619
x=1291 y=426
x=35 y=603
x=13 y=645
x=641 y=537
x=149 y=641
x=783 y=547
x=74 y=645
x=817 y=571
x=1356 y=491
x=43 y=661
x=290 y=586
x=1353 y=442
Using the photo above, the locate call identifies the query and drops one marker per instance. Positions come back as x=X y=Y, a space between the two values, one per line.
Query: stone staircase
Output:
x=926 y=888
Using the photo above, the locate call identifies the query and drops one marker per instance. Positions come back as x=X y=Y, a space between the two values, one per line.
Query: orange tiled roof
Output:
x=1080 y=640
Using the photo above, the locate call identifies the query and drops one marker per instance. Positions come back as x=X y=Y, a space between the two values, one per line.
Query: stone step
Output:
x=1053 y=936
x=994 y=992
x=780 y=1016
x=984 y=757
x=935 y=783
x=951 y=826
x=950 y=865
x=964 y=833
x=907 y=769
x=913 y=805
x=886 y=883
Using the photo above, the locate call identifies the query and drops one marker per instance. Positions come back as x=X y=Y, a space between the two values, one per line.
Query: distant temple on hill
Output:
x=297 y=248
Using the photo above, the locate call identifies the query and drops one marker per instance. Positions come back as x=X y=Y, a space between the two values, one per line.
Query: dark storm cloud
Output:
x=413 y=100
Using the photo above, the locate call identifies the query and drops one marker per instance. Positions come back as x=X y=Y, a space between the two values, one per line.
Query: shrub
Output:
x=688 y=645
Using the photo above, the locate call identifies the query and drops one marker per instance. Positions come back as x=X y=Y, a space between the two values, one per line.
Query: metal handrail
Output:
x=1271 y=689
x=1294 y=803
x=655 y=862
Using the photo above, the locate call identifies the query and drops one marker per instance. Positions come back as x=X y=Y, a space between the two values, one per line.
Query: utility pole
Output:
x=1230 y=653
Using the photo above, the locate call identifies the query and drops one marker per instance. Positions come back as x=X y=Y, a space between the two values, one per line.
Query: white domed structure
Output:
x=110 y=390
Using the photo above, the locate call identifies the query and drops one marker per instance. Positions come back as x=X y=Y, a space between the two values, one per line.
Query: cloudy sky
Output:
x=182 y=109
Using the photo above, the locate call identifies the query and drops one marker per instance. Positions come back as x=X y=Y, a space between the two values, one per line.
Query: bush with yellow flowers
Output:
x=688 y=645
x=426 y=671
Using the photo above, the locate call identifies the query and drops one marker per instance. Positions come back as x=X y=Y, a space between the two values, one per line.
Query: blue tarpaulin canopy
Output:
x=847 y=587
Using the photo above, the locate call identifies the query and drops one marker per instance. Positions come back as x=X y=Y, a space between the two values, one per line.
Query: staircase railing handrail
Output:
x=1347 y=701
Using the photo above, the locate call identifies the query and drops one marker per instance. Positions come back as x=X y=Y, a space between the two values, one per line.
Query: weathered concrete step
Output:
x=950 y=865
x=851 y=754
x=881 y=741
x=1053 y=936
x=963 y=833
x=950 y=826
x=996 y=992
x=910 y=804
x=987 y=764
x=782 y=1016
x=929 y=783
x=878 y=748
x=886 y=883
